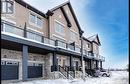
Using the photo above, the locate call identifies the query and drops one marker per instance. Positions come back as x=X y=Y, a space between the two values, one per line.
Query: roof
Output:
x=93 y=38
x=23 y=3
x=73 y=14
x=84 y=38
x=50 y=12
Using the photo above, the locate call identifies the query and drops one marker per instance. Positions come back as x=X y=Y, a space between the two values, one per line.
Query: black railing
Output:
x=35 y=36
x=66 y=71
x=32 y=35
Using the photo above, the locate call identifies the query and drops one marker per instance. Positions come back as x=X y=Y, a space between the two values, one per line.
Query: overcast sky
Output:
x=107 y=18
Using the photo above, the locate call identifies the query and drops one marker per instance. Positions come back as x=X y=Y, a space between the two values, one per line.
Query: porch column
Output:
x=97 y=64
x=90 y=64
x=71 y=62
x=25 y=63
x=101 y=64
x=55 y=64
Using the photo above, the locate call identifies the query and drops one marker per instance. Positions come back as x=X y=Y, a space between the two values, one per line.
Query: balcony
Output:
x=87 y=54
x=98 y=57
x=93 y=55
x=102 y=58
x=23 y=33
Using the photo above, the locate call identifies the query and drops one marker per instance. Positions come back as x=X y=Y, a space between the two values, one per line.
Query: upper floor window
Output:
x=39 y=21
x=7 y=6
x=89 y=45
x=32 y=18
x=59 y=28
x=35 y=20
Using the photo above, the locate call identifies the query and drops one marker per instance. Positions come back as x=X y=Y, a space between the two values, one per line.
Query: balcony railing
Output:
x=11 y=29
x=34 y=36
x=77 y=49
x=102 y=58
x=61 y=44
x=93 y=55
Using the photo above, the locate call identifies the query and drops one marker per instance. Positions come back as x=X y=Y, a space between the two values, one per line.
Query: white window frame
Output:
x=56 y=21
x=35 y=24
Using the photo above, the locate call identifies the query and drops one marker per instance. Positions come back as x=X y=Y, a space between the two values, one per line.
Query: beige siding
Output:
x=95 y=48
x=85 y=45
x=58 y=16
x=74 y=27
x=20 y=17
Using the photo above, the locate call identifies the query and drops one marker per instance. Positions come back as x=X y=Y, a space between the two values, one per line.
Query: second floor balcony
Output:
x=25 y=34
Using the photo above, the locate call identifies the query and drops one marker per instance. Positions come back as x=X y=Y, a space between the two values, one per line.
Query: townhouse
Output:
x=44 y=45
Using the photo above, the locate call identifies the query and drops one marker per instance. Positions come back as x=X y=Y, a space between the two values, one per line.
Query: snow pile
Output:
x=117 y=77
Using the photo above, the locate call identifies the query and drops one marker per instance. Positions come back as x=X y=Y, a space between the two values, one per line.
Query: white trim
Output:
x=73 y=31
x=6 y=59
x=59 y=37
x=59 y=22
x=19 y=60
x=36 y=61
x=35 y=30
x=8 y=20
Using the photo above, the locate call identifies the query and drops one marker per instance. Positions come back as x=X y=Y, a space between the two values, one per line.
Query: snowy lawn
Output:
x=117 y=77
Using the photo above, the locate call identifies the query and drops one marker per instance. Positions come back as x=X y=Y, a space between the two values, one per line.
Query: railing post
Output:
x=101 y=64
x=67 y=74
x=66 y=45
x=74 y=46
x=2 y=26
x=42 y=39
x=90 y=64
x=56 y=42
x=25 y=31
x=74 y=73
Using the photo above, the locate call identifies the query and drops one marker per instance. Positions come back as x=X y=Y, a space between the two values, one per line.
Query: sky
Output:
x=107 y=18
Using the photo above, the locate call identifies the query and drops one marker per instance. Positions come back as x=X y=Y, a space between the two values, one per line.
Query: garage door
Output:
x=9 y=70
x=35 y=70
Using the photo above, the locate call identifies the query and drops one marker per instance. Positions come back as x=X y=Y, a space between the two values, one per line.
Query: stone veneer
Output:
x=12 y=55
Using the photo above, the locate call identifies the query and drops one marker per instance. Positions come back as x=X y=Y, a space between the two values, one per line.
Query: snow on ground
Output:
x=117 y=77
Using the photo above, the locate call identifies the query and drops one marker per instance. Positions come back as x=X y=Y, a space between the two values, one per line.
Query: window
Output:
x=7 y=6
x=88 y=45
x=34 y=36
x=36 y=20
x=59 y=28
x=32 y=18
x=39 y=22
